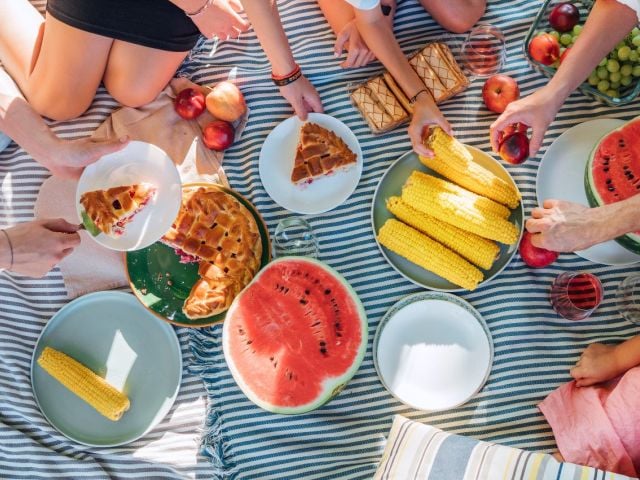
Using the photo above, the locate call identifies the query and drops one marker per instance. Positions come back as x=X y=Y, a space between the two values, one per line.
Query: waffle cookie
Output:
x=445 y=67
x=378 y=119
x=429 y=77
x=397 y=92
x=381 y=92
x=213 y=227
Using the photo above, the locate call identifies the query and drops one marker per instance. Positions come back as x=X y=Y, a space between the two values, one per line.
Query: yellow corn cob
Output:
x=483 y=203
x=477 y=250
x=429 y=254
x=453 y=161
x=459 y=212
x=83 y=382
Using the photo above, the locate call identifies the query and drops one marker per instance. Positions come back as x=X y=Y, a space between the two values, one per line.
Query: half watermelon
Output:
x=294 y=336
x=613 y=173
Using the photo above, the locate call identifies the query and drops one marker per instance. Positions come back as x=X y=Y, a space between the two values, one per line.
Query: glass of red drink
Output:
x=483 y=51
x=575 y=295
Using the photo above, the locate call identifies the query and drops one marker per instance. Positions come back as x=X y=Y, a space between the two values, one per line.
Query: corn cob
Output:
x=429 y=254
x=483 y=203
x=477 y=250
x=91 y=388
x=457 y=211
x=453 y=161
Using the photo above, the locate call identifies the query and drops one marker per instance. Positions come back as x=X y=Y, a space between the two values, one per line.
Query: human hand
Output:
x=358 y=54
x=68 y=158
x=303 y=97
x=222 y=19
x=598 y=363
x=537 y=111
x=563 y=226
x=37 y=246
x=425 y=114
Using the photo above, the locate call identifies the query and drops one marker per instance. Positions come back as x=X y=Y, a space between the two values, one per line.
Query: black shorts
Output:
x=151 y=23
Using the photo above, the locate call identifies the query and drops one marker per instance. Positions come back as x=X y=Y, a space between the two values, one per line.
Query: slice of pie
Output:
x=216 y=230
x=320 y=152
x=110 y=210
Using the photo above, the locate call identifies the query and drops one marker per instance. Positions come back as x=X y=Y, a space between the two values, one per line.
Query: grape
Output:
x=614 y=84
x=603 y=86
x=565 y=39
x=602 y=73
x=615 y=77
x=593 y=79
x=603 y=62
x=625 y=70
x=613 y=55
x=636 y=71
x=613 y=65
x=636 y=41
x=625 y=82
x=634 y=56
x=612 y=93
x=635 y=31
x=555 y=34
x=624 y=52
x=620 y=45
x=577 y=29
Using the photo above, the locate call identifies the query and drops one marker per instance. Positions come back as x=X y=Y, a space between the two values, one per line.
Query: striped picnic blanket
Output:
x=345 y=439
x=534 y=348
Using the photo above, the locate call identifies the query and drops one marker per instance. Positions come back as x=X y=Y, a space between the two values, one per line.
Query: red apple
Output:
x=564 y=55
x=510 y=130
x=545 y=49
x=515 y=148
x=218 y=135
x=564 y=17
x=499 y=91
x=533 y=256
x=189 y=103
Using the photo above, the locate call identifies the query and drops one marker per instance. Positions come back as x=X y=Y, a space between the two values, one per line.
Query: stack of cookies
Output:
x=384 y=105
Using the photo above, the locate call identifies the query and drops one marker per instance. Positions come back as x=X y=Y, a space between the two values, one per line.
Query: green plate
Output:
x=391 y=184
x=162 y=283
x=113 y=335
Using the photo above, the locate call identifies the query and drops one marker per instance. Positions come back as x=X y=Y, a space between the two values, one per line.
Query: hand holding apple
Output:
x=499 y=91
x=534 y=256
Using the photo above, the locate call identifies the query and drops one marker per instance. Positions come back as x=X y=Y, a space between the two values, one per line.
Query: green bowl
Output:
x=391 y=184
x=162 y=283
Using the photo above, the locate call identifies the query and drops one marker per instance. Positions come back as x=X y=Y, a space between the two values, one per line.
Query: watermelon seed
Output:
x=327 y=291
x=202 y=242
x=249 y=342
x=307 y=292
x=323 y=343
x=219 y=249
x=303 y=301
x=316 y=324
x=233 y=255
x=323 y=351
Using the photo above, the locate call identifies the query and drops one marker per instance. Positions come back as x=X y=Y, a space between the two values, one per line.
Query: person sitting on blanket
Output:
x=33 y=248
x=134 y=48
x=363 y=28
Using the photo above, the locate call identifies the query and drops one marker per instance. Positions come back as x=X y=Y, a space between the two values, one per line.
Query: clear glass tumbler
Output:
x=576 y=295
x=294 y=237
x=628 y=298
x=483 y=51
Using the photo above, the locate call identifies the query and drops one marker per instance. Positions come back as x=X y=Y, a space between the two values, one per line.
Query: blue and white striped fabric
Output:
x=534 y=348
x=417 y=451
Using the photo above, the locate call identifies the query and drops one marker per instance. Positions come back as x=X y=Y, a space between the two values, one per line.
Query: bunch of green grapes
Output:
x=617 y=70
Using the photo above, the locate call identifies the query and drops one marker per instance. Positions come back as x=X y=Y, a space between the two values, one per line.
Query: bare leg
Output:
x=457 y=16
x=135 y=75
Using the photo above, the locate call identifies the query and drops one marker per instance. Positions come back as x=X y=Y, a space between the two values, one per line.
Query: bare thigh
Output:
x=67 y=70
x=135 y=74
x=455 y=15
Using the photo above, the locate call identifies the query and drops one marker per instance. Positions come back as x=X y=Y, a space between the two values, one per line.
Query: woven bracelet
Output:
x=282 y=80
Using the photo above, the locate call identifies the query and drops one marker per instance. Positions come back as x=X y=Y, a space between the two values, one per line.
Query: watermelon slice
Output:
x=613 y=173
x=294 y=336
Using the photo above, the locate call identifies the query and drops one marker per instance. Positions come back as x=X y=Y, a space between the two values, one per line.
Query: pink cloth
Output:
x=598 y=426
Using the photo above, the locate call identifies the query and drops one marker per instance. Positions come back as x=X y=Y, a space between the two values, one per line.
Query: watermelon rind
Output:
x=333 y=386
x=629 y=241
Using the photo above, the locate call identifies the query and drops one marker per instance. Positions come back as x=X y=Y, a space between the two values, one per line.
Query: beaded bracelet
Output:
x=206 y=5
x=282 y=80
x=10 y=248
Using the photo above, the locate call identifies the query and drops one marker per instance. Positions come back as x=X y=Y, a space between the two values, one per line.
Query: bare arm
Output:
x=607 y=24
x=599 y=362
x=338 y=13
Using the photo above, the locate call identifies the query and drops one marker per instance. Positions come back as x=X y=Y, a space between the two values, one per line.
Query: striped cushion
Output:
x=418 y=451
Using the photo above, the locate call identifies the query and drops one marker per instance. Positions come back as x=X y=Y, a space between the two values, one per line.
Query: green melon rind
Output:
x=630 y=241
x=89 y=225
x=332 y=387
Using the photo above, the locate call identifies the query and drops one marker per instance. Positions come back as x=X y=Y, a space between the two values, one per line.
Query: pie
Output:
x=111 y=209
x=319 y=152
x=216 y=230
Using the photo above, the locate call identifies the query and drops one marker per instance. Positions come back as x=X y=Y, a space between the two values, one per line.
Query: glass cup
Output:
x=294 y=237
x=628 y=298
x=483 y=51
x=576 y=295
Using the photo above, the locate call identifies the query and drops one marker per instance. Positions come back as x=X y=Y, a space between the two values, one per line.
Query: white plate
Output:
x=561 y=176
x=137 y=162
x=433 y=351
x=138 y=353
x=276 y=162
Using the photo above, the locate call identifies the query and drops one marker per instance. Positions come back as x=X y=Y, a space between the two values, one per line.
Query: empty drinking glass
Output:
x=294 y=237
x=575 y=295
x=628 y=298
x=482 y=51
